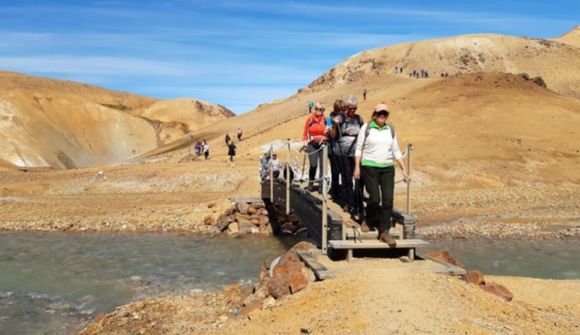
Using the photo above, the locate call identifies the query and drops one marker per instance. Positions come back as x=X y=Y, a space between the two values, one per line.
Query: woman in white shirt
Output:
x=376 y=150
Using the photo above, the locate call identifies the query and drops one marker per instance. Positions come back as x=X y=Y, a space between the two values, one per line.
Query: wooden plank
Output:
x=375 y=244
x=356 y=234
x=320 y=270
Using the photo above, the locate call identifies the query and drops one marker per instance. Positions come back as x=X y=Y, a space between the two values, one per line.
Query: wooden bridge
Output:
x=334 y=232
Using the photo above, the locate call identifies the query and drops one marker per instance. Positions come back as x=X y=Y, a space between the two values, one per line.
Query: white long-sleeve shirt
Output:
x=379 y=148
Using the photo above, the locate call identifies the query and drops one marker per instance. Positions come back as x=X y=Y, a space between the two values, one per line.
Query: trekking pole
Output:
x=303 y=164
x=324 y=200
x=409 y=149
x=271 y=178
x=288 y=180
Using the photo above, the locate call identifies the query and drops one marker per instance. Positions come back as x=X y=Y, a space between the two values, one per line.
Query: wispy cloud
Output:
x=113 y=66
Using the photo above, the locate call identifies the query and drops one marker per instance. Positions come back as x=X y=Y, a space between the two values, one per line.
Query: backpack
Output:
x=312 y=121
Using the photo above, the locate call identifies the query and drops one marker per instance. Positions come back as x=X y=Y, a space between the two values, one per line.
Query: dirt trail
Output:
x=372 y=297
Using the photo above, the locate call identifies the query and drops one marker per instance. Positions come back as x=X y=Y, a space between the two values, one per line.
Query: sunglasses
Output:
x=383 y=112
x=319 y=109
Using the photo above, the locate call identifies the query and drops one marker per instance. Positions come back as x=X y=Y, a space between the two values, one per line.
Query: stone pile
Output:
x=289 y=223
x=474 y=277
x=283 y=276
x=244 y=218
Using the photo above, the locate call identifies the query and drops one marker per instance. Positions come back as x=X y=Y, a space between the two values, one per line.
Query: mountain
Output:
x=63 y=124
x=557 y=63
x=481 y=126
x=572 y=37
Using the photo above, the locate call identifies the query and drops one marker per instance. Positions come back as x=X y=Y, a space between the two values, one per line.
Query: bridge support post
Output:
x=409 y=150
x=288 y=180
x=324 y=200
x=271 y=172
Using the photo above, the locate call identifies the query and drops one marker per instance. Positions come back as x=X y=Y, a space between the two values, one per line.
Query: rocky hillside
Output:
x=63 y=124
x=480 y=129
x=556 y=62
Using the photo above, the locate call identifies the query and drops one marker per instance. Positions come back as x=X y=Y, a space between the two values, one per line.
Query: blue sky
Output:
x=239 y=53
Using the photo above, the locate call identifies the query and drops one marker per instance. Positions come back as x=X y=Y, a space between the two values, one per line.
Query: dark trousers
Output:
x=335 y=171
x=347 y=187
x=315 y=157
x=380 y=184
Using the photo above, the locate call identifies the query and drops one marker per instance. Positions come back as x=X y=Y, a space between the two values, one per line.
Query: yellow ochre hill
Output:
x=63 y=124
x=484 y=125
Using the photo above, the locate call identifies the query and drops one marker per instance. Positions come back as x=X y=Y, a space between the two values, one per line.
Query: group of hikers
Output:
x=202 y=148
x=419 y=74
x=360 y=155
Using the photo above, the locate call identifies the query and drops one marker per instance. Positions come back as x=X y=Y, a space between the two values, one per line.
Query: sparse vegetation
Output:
x=120 y=107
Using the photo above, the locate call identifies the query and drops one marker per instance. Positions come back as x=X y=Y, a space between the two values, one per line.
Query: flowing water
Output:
x=548 y=259
x=52 y=283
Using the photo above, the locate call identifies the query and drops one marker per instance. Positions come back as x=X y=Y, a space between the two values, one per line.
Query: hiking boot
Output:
x=388 y=239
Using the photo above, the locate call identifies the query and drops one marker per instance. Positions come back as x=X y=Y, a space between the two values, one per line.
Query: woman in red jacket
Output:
x=314 y=136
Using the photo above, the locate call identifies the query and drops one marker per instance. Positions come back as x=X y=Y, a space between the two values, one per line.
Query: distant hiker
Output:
x=426 y=74
x=364 y=93
x=275 y=166
x=314 y=137
x=198 y=148
x=401 y=70
x=227 y=139
x=442 y=74
x=396 y=69
x=376 y=148
x=310 y=106
x=240 y=134
x=205 y=149
x=264 y=166
x=333 y=150
x=231 y=150
x=345 y=131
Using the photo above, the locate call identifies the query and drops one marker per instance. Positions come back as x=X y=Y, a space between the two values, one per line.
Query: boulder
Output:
x=269 y=302
x=499 y=290
x=265 y=229
x=247 y=227
x=242 y=207
x=289 y=276
x=252 y=210
x=234 y=228
x=263 y=211
x=264 y=220
x=474 y=277
x=223 y=221
x=303 y=246
x=243 y=219
x=208 y=220
x=444 y=256
x=255 y=222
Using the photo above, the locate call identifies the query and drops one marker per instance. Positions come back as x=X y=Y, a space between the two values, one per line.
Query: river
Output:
x=54 y=283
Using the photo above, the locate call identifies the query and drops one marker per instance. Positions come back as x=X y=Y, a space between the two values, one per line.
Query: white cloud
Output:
x=114 y=66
